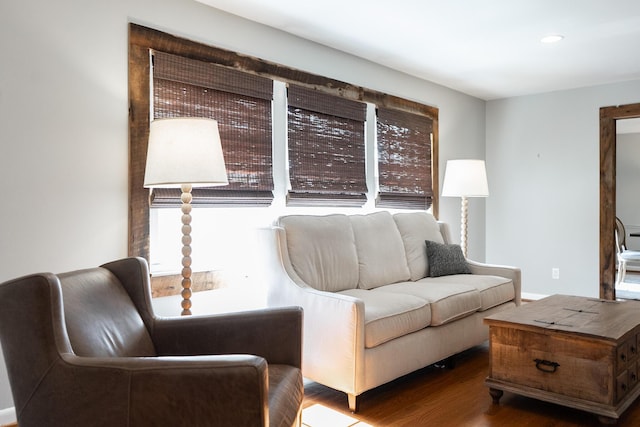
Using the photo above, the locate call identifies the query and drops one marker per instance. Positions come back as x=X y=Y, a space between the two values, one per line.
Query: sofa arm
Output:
x=509 y=272
x=273 y=333
x=333 y=323
x=334 y=337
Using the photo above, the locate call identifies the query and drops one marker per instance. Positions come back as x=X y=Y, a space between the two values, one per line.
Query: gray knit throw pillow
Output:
x=445 y=259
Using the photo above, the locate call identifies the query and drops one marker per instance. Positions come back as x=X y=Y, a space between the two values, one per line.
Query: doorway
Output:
x=608 y=117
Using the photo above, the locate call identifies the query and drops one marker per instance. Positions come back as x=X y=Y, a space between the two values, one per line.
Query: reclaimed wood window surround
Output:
x=144 y=40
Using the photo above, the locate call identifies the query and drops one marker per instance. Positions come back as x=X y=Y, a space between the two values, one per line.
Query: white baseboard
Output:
x=8 y=416
x=532 y=297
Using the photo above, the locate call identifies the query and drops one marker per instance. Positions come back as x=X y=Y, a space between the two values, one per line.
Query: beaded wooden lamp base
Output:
x=464 y=212
x=186 y=249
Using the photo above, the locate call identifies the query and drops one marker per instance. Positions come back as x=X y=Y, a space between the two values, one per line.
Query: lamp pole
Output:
x=464 y=211
x=465 y=178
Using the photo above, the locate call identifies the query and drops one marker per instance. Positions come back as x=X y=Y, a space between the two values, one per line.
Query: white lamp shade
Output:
x=184 y=151
x=465 y=178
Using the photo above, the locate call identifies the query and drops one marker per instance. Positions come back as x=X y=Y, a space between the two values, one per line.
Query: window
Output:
x=221 y=81
x=241 y=103
x=326 y=149
x=404 y=160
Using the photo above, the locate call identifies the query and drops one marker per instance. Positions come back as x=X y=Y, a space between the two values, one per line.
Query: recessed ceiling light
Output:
x=553 y=38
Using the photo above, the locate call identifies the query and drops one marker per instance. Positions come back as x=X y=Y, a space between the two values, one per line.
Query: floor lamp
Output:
x=185 y=153
x=465 y=178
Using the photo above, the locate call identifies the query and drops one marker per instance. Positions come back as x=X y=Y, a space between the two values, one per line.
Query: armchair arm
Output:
x=274 y=333
x=509 y=272
x=163 y=391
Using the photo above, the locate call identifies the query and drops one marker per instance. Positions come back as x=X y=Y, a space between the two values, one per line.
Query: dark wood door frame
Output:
x=608 y=117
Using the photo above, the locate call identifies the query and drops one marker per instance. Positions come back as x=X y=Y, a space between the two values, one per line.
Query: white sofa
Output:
x=372 y=313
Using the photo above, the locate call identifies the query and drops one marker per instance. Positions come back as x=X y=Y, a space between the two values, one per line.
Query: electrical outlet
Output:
x=555 y=273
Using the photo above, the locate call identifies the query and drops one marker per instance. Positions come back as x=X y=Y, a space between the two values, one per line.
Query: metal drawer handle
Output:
x=546 y=365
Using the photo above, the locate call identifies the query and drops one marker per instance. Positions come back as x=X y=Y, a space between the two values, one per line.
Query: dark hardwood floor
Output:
x=450 y=397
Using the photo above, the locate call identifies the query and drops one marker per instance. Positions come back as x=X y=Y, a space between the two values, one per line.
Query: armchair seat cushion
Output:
x=390 y=315
x=286 y=391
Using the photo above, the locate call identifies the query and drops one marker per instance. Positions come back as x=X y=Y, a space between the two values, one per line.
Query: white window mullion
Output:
x=281 y=183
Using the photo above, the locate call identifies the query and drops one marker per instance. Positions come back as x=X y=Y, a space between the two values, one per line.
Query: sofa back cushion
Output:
x=381 y=254
x=415 y=228
x=322 y=250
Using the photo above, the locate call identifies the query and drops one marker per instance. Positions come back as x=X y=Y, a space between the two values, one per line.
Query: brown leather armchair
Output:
x=85 y=349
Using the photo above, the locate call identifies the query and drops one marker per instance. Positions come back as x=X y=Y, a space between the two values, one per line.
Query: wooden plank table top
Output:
x=594 y=317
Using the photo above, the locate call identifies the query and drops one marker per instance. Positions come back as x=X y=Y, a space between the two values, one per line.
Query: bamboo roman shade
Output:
x=241 y=103
x=404 y=160
x=326 y=149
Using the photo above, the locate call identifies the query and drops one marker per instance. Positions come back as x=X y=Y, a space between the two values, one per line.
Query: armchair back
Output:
x=100 y=317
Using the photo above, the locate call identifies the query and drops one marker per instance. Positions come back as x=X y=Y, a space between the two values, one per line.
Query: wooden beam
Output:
x=154 y=39
x=608 y=117
x=139 y=117
x=167 y=285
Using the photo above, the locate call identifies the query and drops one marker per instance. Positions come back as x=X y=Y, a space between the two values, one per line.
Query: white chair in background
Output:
x=625 y=256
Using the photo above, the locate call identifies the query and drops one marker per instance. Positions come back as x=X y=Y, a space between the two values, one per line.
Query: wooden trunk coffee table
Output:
x=573 y=351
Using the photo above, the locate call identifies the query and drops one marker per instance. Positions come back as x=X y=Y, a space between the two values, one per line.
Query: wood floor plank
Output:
x=454 y=397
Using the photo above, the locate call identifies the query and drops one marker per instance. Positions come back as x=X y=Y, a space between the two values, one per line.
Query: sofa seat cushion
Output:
x=494 y=290
x=449 y=301
x=322 y=250
x=388 y=316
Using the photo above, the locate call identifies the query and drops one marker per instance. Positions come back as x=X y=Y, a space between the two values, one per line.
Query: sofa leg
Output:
x=353 y=402
x=448 y=363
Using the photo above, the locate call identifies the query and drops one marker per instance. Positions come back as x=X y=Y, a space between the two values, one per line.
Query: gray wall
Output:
x=63 y=122
x=543 y=162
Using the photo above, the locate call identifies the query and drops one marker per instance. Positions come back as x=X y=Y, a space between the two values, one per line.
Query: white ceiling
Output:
x=489 y=49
